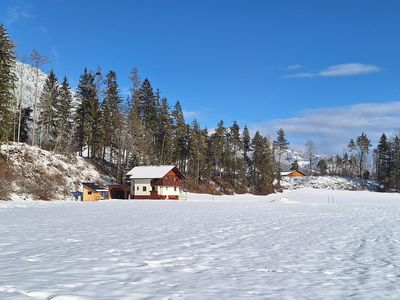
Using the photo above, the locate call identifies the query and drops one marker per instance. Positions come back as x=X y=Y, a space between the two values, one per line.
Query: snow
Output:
x=149 y=172
x=300 y=244
x=31 y=163
x=328 y=182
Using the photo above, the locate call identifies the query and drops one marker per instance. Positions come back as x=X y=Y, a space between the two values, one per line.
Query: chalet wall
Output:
x=168 y=190
x=137 y=187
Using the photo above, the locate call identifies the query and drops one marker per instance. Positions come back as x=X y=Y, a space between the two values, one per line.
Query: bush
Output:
x=6 y=175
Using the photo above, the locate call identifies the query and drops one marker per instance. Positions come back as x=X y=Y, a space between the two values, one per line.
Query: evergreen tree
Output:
x=64 y=115
x=7 y=84
x=282 y=145
x=87 y=116
x=26 y=118
x=218 y=148
x=148 y=106
x=179 y=151
x=48 y=104
x=363 y=144
x=322 y=166
x=295 y=165
x=263 y=168
x=164 y=133
x=384 y=162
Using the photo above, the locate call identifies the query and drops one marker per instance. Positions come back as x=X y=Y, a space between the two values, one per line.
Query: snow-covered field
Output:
x=301 y=244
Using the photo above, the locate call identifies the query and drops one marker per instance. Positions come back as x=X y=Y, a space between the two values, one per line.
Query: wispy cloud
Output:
x=332 y=128
x=17 y=13
x=350 y=69
x=191 y=114
x=294 y=67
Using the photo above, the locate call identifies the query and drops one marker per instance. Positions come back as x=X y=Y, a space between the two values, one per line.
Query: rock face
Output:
x=25 y=90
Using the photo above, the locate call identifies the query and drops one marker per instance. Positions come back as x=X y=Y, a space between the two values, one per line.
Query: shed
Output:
x=94 y=192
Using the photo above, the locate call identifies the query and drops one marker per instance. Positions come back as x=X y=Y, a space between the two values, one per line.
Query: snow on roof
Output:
x=95 y=187
x=146 y=172
x=286 y=173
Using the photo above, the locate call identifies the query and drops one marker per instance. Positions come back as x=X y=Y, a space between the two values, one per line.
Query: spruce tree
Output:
x=363 y=144
x=295 y=165
x=7 y=84
x=323 y=167
x=64 y=116
x=384 y=162
x=179 y=150
x=282 y=145
x=48 y=104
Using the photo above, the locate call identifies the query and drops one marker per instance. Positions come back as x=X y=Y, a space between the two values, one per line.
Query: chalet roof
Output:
x=150 y=172
x=290 y=172
x=95 y=187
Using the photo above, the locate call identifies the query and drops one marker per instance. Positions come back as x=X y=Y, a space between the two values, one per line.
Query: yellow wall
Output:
x=94 y=196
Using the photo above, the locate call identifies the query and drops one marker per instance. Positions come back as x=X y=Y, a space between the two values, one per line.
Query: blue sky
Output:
x=267 y=64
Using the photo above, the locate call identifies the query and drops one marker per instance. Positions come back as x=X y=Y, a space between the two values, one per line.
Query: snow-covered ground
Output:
x=300 y=244
x=328 y=182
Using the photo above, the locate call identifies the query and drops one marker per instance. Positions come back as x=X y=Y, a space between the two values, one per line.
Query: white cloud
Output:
x=191 y=114
x=18 y=13
x=294 y=67
x=350 y=69
x=332 y=128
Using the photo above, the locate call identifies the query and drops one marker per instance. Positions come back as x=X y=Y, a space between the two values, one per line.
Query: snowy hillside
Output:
x=302 y=244
x=25 y=85
x=328 y=182
x=39 y=174
x=291 y=155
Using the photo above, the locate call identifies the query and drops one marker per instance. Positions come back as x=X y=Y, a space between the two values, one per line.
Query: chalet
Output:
x=155 y=182
x=292 y=174
x=93 y=192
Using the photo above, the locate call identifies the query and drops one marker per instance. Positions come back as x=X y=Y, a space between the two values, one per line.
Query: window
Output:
x=175 y=188
x=137 y=188
x=144 y=188
x=89 y=192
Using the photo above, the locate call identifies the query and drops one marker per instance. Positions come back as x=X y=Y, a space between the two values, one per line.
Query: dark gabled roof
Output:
x=94 y=186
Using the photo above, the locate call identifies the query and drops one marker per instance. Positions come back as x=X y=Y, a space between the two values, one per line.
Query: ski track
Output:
x=295 y=245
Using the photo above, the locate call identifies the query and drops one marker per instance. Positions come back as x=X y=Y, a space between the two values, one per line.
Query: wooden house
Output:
x=93 y=192
x=294 y=173
x=156 y=182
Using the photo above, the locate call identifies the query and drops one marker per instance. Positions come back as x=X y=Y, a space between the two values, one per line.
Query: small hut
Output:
x=94 y=192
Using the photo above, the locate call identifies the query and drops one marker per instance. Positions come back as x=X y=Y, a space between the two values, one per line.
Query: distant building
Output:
x=292 y=174
x=156 y=182
x=94 y=192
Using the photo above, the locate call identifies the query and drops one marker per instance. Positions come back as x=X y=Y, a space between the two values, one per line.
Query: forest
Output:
x=145 y=129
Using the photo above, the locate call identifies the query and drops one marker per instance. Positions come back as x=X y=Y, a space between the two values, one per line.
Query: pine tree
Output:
x=64 y=116
x=363 y=144
x=218 y=148
x=179 y=151
x=26 y=119
x=295 y=165
x=7 y=84
x=47 y=104
x=322 y=166
x=310 y=153
x=282 y=145
x=87 y=116
x=384 y=162
x=148 y=106
x=263 y=165
x=164 y=133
